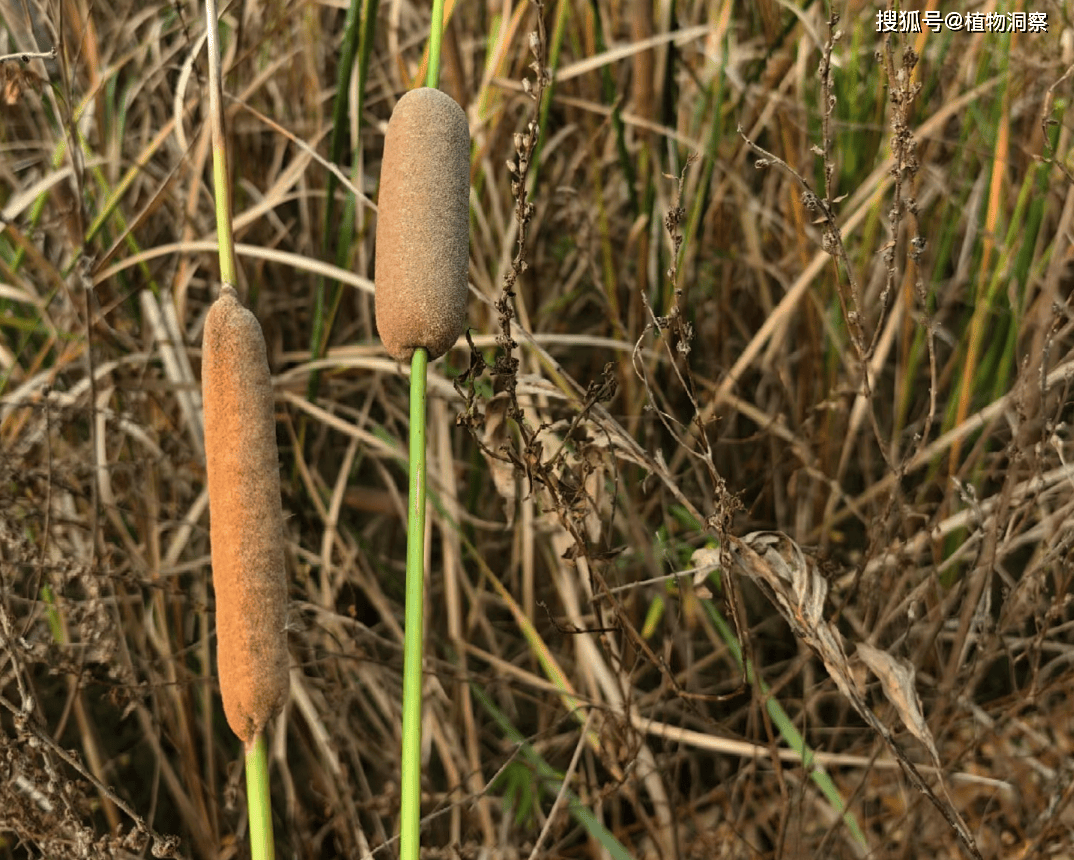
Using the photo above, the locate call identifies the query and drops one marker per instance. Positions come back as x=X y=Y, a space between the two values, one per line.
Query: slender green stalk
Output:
x=436 y=33
x=221 y=182
x=413 y=644
x=410 y=810
x=257 y=800
x=257 y=781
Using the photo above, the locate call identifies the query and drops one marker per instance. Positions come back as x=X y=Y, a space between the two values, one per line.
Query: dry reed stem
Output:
x=246 y=517
x=423 y=226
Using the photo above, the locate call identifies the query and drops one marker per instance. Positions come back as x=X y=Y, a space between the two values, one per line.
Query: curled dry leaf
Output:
x=897 y=679
x=778 y=565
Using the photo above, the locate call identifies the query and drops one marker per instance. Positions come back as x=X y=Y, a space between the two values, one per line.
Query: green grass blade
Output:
x=553 y=780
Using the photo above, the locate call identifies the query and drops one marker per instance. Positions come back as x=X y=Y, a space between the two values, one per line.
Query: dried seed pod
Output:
x=423 y=226
x=246 y=517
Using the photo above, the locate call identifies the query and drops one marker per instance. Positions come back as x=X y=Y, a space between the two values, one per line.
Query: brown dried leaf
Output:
x=897 y=679
x=778 y=565
x=15 y=78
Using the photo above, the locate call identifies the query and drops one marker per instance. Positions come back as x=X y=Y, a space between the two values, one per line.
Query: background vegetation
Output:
x=676 y=341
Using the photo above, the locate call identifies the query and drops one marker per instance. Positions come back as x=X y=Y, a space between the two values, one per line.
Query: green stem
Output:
x=436 y=33
x=221 y=183
x=257 y=800
x=410 y=811
x=410 y=807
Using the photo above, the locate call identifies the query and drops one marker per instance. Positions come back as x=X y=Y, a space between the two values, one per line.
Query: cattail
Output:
x=423 y=225
x=246 y=517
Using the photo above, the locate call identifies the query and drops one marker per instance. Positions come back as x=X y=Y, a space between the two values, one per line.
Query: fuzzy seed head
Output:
x=246 y=517
x=423 y=226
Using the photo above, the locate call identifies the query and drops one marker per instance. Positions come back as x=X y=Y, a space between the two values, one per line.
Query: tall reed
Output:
x=245 y=512
x=423 y=248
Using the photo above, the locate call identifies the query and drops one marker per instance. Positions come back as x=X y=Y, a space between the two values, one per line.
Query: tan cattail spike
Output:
x=423 y=225
x=245 y=517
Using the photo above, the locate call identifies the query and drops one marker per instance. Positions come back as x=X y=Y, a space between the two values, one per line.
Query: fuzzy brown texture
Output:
x=246 y=517
x=423 y=225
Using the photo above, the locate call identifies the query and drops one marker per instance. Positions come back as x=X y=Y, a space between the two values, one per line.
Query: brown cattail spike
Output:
x=423 y=225
x=246 y=517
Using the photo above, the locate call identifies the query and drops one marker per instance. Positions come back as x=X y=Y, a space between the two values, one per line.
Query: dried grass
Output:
x=929 y=485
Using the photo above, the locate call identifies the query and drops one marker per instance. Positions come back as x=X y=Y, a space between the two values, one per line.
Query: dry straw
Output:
x=423 y=225
x=246 y=517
